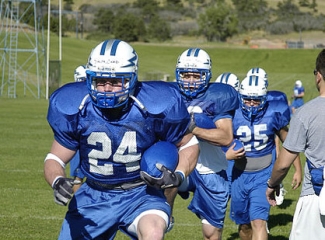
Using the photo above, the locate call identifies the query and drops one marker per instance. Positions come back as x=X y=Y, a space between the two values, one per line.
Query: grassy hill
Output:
x=271 y=3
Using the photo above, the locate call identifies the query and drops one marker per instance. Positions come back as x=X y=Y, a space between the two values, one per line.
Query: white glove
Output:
x=321 y=202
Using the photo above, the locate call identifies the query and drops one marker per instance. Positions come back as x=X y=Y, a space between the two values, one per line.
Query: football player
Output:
x=80 y=74
x=256 y=123
x=261 y=74
x=298 y=96
x=234 y=151
x=112 y=119
x=230 y=79
x=212 y=106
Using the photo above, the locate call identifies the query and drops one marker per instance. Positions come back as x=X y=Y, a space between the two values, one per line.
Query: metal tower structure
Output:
x=22 y=49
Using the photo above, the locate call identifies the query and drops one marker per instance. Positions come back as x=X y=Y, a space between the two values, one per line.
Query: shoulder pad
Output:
x=158 y=96
x=280 y=107
x=276 y=95
x=68 y=98
x=224 y=95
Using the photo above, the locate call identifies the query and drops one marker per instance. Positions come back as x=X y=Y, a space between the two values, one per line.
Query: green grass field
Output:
x=27 y=209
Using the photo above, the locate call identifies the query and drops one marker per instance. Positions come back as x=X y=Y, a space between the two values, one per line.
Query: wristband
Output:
x=51 y=156
x=181 y=173
x=54 y=181
x=272 y=187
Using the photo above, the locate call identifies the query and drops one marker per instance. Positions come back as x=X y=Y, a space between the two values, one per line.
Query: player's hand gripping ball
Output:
x=200 y=120
x=158 y=166
x=161 y=152
x=238 y=145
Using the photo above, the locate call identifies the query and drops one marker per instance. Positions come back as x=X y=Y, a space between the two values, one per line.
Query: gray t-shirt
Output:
x=307 y=134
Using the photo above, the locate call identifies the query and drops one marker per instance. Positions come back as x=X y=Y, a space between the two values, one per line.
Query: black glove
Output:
x=200 y=120
x=192 y=124
x=168 y=179
x=63 y=190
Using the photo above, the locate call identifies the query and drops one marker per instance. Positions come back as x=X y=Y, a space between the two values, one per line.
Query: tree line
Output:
x=216 y=20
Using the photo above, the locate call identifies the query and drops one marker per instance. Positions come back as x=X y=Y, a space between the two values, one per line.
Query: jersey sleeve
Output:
x=277 y=95
x=63 y=113
x=225 y=99
x=282 y=110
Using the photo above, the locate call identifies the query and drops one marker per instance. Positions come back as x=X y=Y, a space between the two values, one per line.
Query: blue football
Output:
x=203 y=121
x=161 y=152
x=238 y=145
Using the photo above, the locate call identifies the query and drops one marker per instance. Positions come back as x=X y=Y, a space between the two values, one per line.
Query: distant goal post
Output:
x=54 y=75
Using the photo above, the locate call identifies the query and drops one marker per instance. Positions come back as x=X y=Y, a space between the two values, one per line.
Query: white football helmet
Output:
x=194 y=60
x=80 y=74
x=230 y=79
x=252 y=88
x=260 y=72
x=298 y=83
x=112 y=59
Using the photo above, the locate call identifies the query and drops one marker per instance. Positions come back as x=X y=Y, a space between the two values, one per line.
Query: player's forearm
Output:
x=297 y=164
x=214 y=136
x=52 y=169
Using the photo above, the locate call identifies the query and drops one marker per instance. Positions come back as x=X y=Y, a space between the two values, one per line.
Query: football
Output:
x=238 y=145
x=161 y=152
x=203 y=121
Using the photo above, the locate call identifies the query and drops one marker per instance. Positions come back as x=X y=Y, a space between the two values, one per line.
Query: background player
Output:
x=211 y=106
x=255 y=123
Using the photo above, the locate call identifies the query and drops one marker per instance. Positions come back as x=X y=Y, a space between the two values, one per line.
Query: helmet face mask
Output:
x=112 y=61
x=252 y=96
x=197 y=62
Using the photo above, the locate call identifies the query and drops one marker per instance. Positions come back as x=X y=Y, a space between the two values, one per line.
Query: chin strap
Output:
x=142 y=107
x=82 y=104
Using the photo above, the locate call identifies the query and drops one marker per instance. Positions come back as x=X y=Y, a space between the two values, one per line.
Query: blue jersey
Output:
x=276 y=95
x=217 y=102
x=111 y=147
x=298 y=90
x=209 y=179
x=297 y=101
x=258 y=136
